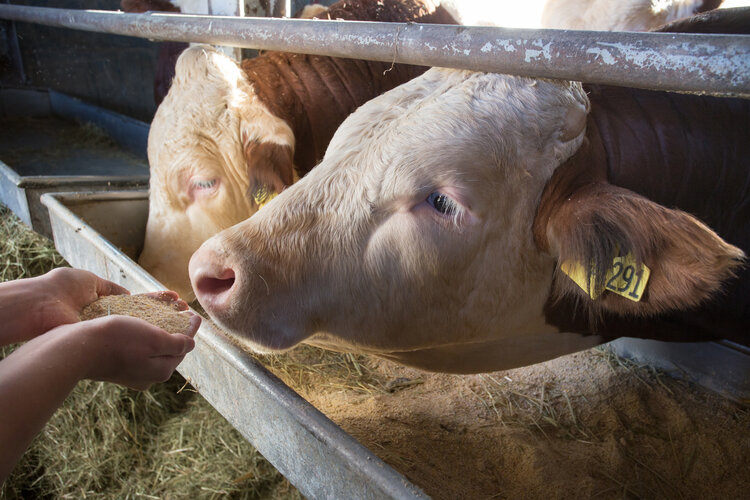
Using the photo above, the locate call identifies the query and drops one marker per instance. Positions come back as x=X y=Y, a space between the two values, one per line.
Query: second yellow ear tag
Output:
x=262 y=197
x=625 y=277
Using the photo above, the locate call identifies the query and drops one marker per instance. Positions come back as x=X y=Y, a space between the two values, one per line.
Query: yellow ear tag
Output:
x=624 y=278
x=262 y=197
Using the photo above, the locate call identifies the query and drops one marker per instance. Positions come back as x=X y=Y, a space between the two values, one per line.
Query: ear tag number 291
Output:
x=625 y=278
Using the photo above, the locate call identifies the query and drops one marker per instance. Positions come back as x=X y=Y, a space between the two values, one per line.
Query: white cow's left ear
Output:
x=623 y=253
x=270 y=169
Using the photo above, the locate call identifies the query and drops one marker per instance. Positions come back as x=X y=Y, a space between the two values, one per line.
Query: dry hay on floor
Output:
x=23 y=253
x=587 y=425
x=107 y=441
x=111 y=442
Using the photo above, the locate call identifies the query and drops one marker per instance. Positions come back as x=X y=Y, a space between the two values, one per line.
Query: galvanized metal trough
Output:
x=103 y=233
x=38 y=122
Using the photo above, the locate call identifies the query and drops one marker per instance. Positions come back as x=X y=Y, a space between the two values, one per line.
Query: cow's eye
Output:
x=442 y=203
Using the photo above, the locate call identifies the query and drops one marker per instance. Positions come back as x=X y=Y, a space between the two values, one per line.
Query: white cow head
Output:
x=415 y=230
x=215 y=151
x=415 y=238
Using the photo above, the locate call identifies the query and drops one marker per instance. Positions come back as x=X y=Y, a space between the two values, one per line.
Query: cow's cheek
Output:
x=404 y=286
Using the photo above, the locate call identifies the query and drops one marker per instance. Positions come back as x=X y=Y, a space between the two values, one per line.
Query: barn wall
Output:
x=110 y=71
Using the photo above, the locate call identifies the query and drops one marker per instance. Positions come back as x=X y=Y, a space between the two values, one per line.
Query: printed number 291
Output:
x=622 y=280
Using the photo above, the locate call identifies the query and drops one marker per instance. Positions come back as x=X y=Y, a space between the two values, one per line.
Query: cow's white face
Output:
x=414 y=233
x=208 y=142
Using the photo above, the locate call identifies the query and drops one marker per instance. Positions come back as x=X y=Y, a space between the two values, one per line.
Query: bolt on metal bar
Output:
x=707 y=64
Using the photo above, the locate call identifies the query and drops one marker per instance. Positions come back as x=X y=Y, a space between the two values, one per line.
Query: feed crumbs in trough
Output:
x=163 y=314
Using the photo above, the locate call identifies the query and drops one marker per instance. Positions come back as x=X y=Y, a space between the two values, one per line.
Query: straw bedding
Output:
x=587 y=425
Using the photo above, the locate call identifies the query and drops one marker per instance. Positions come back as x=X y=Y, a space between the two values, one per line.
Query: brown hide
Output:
x=270 y=167
x=723 y=21
x=314 y=94
x=646 y=153
x=140 y=6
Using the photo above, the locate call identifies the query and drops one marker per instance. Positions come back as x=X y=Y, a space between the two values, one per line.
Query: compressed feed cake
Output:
x=165 y=315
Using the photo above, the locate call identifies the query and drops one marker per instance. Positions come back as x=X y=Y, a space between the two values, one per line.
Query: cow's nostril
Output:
x=215 y=285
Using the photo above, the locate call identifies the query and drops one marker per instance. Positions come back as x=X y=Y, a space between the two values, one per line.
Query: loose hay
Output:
x=111 y=442
x=24 y=253
x=166 y=316
x=107 y=441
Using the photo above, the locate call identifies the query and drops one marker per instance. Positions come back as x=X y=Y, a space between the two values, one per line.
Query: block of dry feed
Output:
x=165 y=315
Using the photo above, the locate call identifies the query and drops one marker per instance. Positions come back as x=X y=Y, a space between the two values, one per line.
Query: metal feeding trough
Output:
x=53 y=142
x=103 y=233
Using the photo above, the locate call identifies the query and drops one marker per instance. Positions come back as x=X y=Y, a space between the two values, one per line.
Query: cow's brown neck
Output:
x=314 y=94
x=681 y=151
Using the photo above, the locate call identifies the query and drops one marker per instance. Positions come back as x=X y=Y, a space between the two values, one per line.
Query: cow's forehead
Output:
x=190 y=120
x=446 y=126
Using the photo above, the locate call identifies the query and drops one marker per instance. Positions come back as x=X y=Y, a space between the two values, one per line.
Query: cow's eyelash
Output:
x=445 y=206
x=204 y=184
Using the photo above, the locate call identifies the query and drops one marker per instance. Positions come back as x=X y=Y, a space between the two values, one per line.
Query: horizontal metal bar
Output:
x=713 y=64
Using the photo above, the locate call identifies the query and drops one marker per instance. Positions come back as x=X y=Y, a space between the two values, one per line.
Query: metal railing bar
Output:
x=709 y=64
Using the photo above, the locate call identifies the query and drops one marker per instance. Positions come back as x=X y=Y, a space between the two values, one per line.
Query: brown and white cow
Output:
x=228 y=136
x=439 y=227
x=620 y=15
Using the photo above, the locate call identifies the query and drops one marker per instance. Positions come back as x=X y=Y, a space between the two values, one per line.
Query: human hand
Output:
x=37 y=377
x=57 y=297
x=130 y=351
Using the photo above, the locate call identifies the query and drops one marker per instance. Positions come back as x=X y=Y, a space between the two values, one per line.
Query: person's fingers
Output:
x=176 y=344
x=160 y=369
x=169 y=297
x=165 y=295
x=188 y=344
x=195 y=323
x=106 y=287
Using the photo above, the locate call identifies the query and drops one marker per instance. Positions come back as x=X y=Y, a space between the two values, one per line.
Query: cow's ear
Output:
x=270 y=169
x=620 y=252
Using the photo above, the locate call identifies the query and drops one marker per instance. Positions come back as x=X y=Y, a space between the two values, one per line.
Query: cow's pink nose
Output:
x=212 y=280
